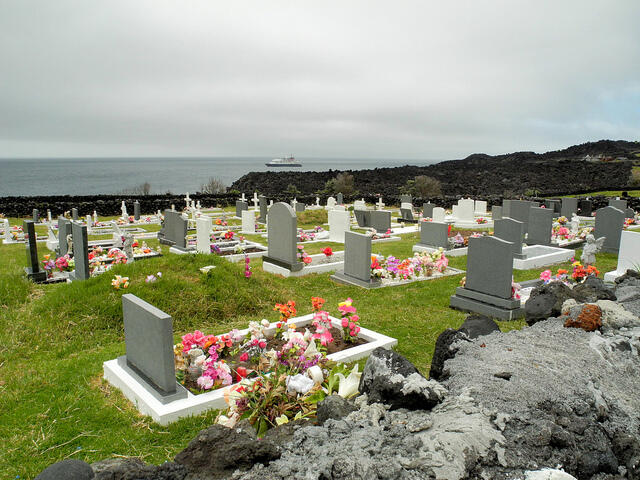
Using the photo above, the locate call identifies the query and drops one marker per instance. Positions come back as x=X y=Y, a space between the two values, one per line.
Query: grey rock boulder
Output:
x=134 y=468
x=218 y=451
x=546 y=301
x=334 y=407
x=477 y=325
x=592 y=290
x=615 y=316
x=68 y=470
x=391 y=379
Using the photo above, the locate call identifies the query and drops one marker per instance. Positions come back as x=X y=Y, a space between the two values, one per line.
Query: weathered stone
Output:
x=592 y=290
x=589 y=318
x=477 y=325
x=335 y=407
x=615 y=316
x=134 y=468
x=442 y=352
x=391 y=379
x=68 y=470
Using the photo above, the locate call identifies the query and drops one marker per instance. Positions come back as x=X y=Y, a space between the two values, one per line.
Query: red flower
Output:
x=327 y=251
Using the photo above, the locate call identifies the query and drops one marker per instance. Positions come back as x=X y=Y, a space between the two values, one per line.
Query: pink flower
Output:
x=545 y=276
x=345 y=322
x=355 y=318
x=351 y=325
x=262 y=344
x=244 y=357
x=205 y=382
x=352 y=333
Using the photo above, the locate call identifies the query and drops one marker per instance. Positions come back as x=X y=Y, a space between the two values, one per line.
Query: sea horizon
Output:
x=35 y=176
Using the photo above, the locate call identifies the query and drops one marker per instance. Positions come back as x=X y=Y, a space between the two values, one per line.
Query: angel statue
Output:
x=70 y=245
x=590 y=249
x=128 y=246
x=574 y=224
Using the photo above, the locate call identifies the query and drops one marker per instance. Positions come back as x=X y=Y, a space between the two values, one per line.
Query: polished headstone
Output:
x=540 y=226
x=363 y=218
x=569 y=207
x=511 y=231
x=136 y=210
x=148 y=337
x=496 y=212
x=555 y=205
x=203 y=234
x=64 y=230
x=407 y=214
x=380 y=220
x=33 y=270
x=519 y=210
x=490 y=266
x=80 y=252
x=339 y=223
x=427 y=209
x=506 y=208
x=241 y=207
x=262 y=218
x=357 y=256
x=585 y=208
x=434 y=234
x=609 y=224
x=175 y=229
x=281 y=236
x=617 y=203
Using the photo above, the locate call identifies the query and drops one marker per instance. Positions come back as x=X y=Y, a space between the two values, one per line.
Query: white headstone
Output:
x=270 y=203
x=466 y=210
x=173 y=207
x=406 y=205
x=89 y=224
x=628 y=255
x=95 y=217
x=7 y=228
x=203 y=234
x=359 y=205
x=248 y=221
x=49 y=216
x=438 y=214
x=123 y=209
x=481 y=207
x=454 y=211
x=380 y=205
x=339 y=223
x=331 y=202
x=342 y=208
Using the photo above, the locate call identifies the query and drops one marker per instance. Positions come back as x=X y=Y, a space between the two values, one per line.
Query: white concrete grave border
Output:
x=165 y=414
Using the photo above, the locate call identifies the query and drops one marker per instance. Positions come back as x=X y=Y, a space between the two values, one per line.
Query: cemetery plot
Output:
x=153 y=371
x=436 y=235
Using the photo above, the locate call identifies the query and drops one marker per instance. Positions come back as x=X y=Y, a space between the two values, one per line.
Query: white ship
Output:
x=289 y=161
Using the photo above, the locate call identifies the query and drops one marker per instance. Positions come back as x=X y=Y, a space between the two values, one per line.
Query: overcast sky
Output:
x=405 y=79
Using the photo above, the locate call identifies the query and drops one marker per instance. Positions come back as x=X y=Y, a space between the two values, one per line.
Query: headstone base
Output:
x=141 y=379
x=295 y=267
x=36 y=277
x=454 y=252
x=340 y=277
x=471 y=301
x=181 y=251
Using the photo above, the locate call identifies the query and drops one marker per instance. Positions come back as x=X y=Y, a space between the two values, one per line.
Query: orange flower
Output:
x=317 y=303
x=562 y=271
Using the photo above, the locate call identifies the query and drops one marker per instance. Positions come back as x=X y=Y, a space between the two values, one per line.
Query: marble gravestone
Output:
x=148 y=338
x=465 y=211
x=33 y=270
x=203 y=234
x=80 y=252
x=339 y=224
x=488 y=283
x=481 y=207
x=136 y=210
x=357 y=262
x=427 y=210
x=248 y=221
x=36 y=216
x=628 y=255
x=496 y=212
x=380 y=220
x=438 y=214
x=511 y=231
x=331 y=202
x=64 y=229
x=281 y=237
x=241 y=206
x=569 y=207
x=540 y=226
x=585 y=208
x=609 y=224
x=340 y=198
x=434 y=235
x=74 y=214
x=262 y=218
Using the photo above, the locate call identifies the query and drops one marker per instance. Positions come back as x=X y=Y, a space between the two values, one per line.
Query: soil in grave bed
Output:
x=246 y=250
x=252 y=368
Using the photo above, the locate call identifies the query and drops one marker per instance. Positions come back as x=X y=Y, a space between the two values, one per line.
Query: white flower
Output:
x=228 y=421
x=205 y=382
x=299 y=383
x=311 y=350
x=199 y=361
x=307 y=334
x=349 y=386
x=265 y=323
x=315 y=373
x=195 y=352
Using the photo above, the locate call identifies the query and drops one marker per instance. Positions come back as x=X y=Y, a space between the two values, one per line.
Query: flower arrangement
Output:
x=247 y=267
x=561 y=276
x=303 y=256
x=152 y=278
x=215 y=249
x=515 y=290
x=228 y=235
x=48 y=265
x=350 y=328
x=305 y=236
x=422 y=264
x=321 y=322
x=117 y=255
x=481 y=220
x=629 y=221
x=222 y=222
x=119 y=282
x=373 y=233
x=562 y=220
x=65 y=263
x=328 y=253
x=579 y=274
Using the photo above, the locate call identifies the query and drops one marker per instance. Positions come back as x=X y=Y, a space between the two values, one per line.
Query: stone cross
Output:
x=294 y=202
x=255 y=200
x=148 y=337
x=243 y=198
x=380 y=205
x=281 y=236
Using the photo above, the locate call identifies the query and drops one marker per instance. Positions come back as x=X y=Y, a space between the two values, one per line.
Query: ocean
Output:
x=87 y=176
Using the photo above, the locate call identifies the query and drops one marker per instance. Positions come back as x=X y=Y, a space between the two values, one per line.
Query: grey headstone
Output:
x=407 y=214
x=175 y=229
x=380 y=220
x=520 y=211
x=281 y=237
x=555 y=205
x=585 y=207
x=511 y=231
x=617 y=203
x=33 y=270
x=74 y=214
x=363 y=217
x=506 y=208
x=434 y=234
x=136 y=210
x=629 y=213
x=80 y=252
x=148 y=336
x=64 y=229
x=36 y=216
x=357 y=256
x=427 y=209
x=240 y=207
x=496 y=212
x=262 y=218
x=300 y=207
x=490 y=266
x=540 y=226
x=569 y=207
x=405 y=199
x=609 y=224
x=339 y=198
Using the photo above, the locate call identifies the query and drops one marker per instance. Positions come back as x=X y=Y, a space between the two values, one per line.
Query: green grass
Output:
x=54 y=339
x=605 y=193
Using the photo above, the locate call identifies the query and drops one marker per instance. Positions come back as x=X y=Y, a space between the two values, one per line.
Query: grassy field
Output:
x=606 y=193
x=53 y=340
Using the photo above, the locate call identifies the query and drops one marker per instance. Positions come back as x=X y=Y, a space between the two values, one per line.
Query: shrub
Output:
x=214 y=185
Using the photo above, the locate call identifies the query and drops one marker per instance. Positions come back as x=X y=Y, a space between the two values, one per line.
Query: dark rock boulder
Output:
x=134 y=468
x=334 y=407
x=67 y=470
x=477 y=325
x=391 y=379
x=592 y=290
x=546 y=301
x=218 y=451
x=629 y=275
